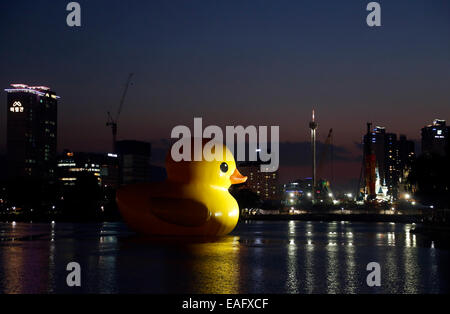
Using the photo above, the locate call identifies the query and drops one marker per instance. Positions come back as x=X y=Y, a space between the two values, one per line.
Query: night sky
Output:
x=233 y=62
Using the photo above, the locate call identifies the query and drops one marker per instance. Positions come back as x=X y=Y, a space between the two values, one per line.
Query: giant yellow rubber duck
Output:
x=193 y=201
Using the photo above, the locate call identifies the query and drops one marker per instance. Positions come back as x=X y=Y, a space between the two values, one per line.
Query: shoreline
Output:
x=363 y=217
x=328 y=217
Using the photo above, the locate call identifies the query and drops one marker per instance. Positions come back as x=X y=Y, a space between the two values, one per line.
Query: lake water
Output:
x=257 y=257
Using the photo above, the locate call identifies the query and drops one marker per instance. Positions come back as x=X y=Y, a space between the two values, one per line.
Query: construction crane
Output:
x=112 y=121
x=328 y=144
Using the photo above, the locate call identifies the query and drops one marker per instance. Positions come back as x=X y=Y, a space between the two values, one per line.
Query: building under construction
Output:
x=369 y=165
x=386 y=163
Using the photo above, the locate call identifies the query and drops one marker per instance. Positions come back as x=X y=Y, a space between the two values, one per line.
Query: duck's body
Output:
x=192 y=201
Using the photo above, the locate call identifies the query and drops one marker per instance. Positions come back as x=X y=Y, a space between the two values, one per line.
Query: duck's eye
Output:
x=224 y=167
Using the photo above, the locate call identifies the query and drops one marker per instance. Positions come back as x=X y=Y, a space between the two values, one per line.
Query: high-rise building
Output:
x=110 y=172
x=406 y=158
x=406 y=155
x=391 y=164
x=381 y=142
x=393 y=159
x=31 y=133
x=435 y=138
x=368 y=185
x=134 y=161
x=264 y=184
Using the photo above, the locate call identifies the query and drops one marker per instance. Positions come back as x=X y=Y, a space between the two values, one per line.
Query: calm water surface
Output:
x=258 y=257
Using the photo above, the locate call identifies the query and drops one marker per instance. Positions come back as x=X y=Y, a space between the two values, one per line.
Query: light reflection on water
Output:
x=258 y=257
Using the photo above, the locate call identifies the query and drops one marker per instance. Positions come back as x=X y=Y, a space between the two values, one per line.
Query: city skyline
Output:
x=234 y=63
x=32 y=94
x=220 y=154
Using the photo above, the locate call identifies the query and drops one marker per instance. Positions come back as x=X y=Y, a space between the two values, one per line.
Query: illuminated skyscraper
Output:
x=435 y=137
x=31 y=133
x=264 y=184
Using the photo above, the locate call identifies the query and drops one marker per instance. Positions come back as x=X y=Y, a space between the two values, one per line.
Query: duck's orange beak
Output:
x=237 y=177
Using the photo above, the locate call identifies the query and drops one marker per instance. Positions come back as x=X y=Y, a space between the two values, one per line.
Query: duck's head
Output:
x=215 y=165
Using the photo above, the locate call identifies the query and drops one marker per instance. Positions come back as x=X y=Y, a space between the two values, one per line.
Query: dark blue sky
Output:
x=231 y=62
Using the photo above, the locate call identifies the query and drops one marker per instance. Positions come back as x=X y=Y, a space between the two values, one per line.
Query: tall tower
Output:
x=370 y=164
x=31 y=131
x=313 y=126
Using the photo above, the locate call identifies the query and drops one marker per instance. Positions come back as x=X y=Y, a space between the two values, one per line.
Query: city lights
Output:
x=16 y=107
x=294 y=205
